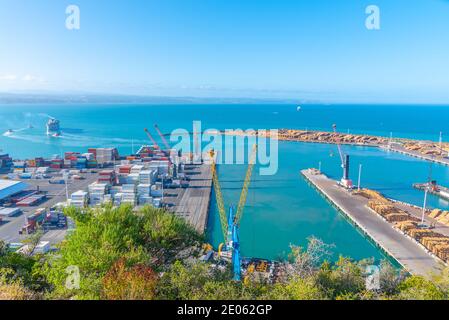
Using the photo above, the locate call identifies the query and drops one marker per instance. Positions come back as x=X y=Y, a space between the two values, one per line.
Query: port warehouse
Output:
x=10 y=188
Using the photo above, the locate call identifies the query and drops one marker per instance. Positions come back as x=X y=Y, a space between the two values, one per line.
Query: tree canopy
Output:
x=120 y=253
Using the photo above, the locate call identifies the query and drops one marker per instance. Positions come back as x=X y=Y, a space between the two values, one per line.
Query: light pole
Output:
x=391 y=140
x=65 y=177
x=162 y=188
x=424 y=206
x=360 y=177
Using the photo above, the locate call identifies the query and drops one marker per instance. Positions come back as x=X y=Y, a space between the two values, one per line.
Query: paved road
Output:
x=193 y=203
x=405 y=250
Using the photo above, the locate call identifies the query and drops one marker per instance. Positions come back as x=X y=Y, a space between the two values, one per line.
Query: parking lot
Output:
x=55 y=193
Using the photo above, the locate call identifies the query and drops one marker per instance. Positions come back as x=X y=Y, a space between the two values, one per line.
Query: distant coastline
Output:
x=92 y=98
x=7 y=98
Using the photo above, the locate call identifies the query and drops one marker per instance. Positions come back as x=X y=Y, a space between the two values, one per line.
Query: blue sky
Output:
x=316 y=50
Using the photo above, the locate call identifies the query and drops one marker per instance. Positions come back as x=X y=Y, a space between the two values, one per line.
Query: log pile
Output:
x=371 y=195
x=440 y=215
x=427 y=147
x=435 y=242
x=330 y=137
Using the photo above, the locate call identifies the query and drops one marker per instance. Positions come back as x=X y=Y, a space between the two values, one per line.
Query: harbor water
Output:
x=281 y=209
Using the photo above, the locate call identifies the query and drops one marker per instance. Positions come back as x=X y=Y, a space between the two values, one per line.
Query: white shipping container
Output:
x=42 y=247
x=79 y=194
x=89 y=156
x=136 y=169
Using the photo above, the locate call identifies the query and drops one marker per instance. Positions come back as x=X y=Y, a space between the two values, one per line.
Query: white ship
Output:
x=53 y=128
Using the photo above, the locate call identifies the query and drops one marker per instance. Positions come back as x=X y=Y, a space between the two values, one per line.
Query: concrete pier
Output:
x=416 y=154
x=193 y=203
x=411 y=255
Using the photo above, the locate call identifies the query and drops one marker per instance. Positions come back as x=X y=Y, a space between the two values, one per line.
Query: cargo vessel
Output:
x=53 y=128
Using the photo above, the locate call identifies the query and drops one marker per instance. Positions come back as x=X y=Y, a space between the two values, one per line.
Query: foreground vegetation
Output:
x=151 y=254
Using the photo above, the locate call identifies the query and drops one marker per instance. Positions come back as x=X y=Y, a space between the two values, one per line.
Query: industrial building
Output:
x=9 y=188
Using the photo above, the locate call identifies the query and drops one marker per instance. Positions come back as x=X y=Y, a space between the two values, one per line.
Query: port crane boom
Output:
x=340 y=152
x=230 y=224
x=246 y=184
x=345 y=181
x=167 y=146
x=219 y=195
x=151 y=138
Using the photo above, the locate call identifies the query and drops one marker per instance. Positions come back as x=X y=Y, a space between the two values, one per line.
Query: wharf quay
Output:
x=407 y=252
x=416 y=154
x=193 y=203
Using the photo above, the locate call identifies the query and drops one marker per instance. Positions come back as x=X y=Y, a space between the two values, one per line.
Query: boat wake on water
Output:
x=11 y=132
x=73 y=140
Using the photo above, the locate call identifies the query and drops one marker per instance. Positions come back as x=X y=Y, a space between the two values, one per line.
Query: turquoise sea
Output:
x=281 y=209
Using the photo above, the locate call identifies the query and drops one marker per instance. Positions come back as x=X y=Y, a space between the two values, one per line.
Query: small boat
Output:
x=9 y=132
x=298 y=108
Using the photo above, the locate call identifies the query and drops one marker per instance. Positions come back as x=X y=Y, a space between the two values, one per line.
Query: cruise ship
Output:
x=53 y=128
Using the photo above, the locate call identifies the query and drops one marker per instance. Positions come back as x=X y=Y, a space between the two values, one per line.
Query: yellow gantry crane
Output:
x=218 y=195
x=244 y=194
x=230 y=224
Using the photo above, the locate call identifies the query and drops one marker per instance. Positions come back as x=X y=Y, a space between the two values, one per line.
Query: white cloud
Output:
x=29 y=77
x=8 y=77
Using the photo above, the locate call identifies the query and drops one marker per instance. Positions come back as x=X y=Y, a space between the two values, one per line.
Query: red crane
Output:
x=155 y=145
x=162 y=137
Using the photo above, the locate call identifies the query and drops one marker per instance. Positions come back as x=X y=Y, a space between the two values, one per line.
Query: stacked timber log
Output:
x=440 y=215
x=389 y=212
x=372 y=195
x=405 y=226
x=329 y=137
x=426 y=147
x=434 y=242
